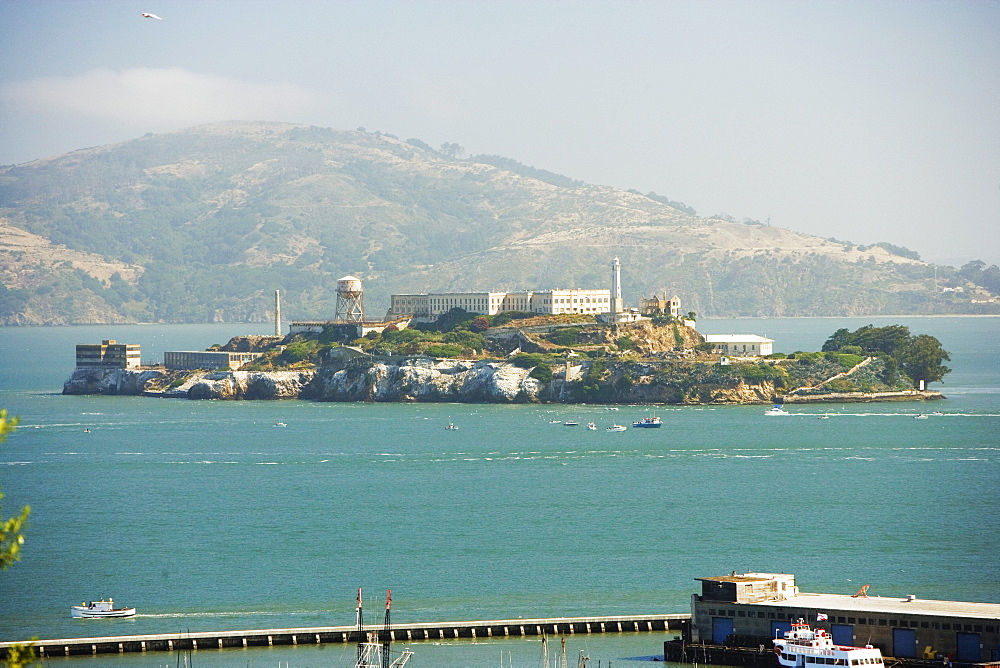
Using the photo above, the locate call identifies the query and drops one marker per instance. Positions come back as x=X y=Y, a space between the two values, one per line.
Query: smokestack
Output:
x=277 y=312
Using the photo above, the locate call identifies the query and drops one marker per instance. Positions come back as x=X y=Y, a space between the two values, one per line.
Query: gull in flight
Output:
x=151 y=16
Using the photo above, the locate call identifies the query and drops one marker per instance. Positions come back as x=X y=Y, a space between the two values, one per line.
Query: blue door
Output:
x=904 y=643
x=968 y=647
x=722 y=627
x=778 y=629
x=843 y=634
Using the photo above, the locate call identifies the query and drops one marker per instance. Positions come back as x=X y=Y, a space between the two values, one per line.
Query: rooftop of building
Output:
x=734 y=338
x=747 y=577
x=888 y=605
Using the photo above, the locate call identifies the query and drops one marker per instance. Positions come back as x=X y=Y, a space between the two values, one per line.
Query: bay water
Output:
x=206 y=516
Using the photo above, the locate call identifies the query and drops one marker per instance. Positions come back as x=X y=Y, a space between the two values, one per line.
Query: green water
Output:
x=205 y=516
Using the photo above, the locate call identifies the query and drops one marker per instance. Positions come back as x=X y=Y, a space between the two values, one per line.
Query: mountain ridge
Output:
x=202 y=224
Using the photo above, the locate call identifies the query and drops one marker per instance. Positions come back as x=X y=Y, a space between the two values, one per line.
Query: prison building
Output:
x=547 y=302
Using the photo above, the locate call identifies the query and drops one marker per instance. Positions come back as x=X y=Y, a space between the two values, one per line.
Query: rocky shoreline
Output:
x=441 y=380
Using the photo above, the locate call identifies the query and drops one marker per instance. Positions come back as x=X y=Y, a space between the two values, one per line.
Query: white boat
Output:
x=451 y=426
x=571 y=424
x=280 y=424
x=803 y=646
x=776 y=410
x=920 y=417
x=100 y=609
x=616 y=427
x=591 y=426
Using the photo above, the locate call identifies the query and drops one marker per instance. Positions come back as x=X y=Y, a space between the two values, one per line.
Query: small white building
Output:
x=740 y=345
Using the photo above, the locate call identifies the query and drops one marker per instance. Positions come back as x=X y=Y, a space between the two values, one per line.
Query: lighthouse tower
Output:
x=277 y=312
x=617 y=306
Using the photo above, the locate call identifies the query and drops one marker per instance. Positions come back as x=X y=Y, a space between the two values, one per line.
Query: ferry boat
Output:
x=648 y=422
x=100 y=609
x=804 y=647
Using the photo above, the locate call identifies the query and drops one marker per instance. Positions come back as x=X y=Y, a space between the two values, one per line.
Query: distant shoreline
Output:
x=700 y=319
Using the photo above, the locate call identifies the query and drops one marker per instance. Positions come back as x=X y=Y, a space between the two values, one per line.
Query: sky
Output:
x=862 y=121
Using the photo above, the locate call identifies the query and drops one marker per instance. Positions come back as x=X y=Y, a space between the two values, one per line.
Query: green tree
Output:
x=922 y=359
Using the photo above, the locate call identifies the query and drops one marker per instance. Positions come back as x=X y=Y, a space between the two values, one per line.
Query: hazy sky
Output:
x=865 y=121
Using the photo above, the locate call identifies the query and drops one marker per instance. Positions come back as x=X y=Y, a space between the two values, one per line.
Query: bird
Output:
x=151 y=16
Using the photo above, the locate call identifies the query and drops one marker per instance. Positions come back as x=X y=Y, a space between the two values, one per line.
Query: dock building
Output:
x=108 y=354
x=759 y=606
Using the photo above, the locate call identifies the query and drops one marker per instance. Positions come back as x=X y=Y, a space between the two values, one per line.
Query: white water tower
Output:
x=350 y=300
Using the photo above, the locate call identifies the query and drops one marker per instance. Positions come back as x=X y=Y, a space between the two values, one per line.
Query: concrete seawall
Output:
x=348 y=634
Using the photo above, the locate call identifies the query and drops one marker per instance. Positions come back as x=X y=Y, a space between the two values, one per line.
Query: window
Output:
x=881 y=622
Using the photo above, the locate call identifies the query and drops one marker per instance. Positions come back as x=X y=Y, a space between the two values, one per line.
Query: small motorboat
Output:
x=451 y=426
x=280 y=424
x=776 y=410
x=937 y=413
x=99 y=610
x=922 y=416
x=616 y=427
x=591 y=426
x=571 y=424
x=823 y=417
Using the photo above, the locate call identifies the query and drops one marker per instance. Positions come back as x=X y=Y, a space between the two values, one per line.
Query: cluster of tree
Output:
x=977 y=272
x=512 y=165
x=662 y=199
x=901 y=251
x=920 y=357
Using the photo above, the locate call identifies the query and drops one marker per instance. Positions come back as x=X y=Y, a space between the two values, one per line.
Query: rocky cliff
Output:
x=427 y=380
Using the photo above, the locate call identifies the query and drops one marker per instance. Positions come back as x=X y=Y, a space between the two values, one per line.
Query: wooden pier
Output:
x=504 y=628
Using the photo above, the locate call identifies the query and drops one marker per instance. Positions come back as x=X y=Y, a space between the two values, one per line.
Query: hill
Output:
x=203 y=224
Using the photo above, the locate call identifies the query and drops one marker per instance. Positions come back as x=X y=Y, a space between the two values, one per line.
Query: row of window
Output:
x=861 y=621
x=829 y=660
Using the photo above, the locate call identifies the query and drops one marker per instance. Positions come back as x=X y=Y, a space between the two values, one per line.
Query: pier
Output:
x=504 y=628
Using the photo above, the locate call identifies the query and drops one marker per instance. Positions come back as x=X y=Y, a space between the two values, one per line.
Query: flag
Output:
x=821 y=617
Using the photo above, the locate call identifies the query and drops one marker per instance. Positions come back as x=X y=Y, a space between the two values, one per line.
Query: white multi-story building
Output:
x=549 y=302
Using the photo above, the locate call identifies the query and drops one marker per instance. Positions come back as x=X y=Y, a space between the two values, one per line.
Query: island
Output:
x=523 y=358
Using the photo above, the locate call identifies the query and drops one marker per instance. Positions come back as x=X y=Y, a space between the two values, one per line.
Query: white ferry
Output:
x=803 y=647
x=100 y=609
